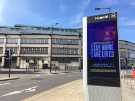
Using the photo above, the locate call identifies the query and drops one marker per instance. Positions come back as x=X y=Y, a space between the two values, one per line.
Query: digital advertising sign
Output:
x=102 y=50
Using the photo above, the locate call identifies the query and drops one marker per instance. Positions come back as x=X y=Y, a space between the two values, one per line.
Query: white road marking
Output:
x=31 y=89
x=5 y=84
x=12 y=93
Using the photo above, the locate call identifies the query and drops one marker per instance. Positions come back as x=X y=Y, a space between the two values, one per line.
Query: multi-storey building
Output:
x=47 y=46
x=127 y=51
x=41 y=46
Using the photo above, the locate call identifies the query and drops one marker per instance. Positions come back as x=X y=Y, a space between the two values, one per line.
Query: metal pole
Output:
x=51 y=49
x=80 y=39
x=10 y=59
x=51 y=45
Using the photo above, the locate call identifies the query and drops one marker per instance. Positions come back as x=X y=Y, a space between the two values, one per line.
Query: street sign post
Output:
x=8 y=59
x=101 y=58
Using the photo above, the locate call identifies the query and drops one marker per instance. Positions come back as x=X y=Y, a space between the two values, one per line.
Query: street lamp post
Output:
x=52 y=27
x=107 y=8
x=8 y=57
x=80 y=38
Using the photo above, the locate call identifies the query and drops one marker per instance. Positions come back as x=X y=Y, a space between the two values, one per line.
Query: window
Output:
x=65 y=51
x=11 y=41
x=1 y=50
x=34 y=50
x=34 y=41
x=14 y=49
x=65 y=41
x=1 y=41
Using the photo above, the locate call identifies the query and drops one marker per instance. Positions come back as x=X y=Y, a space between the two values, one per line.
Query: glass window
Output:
x=34 y=41
x=65 y=41
x=1 y=50
x=34 y=50
x=14 y=49
x=1 y=41
x=65 y=51
x=12 y=41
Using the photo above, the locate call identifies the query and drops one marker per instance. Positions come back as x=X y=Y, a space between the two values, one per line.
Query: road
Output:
x=16 y=90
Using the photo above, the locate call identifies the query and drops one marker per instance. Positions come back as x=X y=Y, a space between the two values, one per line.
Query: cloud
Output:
x=63 y=8
x=109 y=2
x=76 y=20
x=124 y=21
x=33 y=12
x=13 y=12
x=130 y=23
x=2 y=3
x=132 y=3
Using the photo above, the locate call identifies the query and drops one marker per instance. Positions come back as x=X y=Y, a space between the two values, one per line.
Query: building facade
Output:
x=127 y=52
x=41 y=46
x=46 y=47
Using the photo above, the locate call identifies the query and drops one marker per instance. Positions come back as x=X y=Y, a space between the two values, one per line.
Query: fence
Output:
x=127 y=86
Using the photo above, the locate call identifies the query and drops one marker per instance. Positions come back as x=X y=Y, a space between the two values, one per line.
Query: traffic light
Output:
x=8 y=59
x=7 y=54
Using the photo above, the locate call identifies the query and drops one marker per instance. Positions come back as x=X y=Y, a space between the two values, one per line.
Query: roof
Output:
x=26 y=29
x=127 y=42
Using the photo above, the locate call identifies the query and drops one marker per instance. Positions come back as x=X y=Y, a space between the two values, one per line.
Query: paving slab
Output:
x=7 y=78
x=72 y=91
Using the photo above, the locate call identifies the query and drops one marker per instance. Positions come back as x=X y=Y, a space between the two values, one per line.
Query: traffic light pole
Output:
x=9 y=71
x=8 y=59
x=9 y=66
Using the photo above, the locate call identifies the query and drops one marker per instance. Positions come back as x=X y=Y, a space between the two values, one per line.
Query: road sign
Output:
x=101 y=57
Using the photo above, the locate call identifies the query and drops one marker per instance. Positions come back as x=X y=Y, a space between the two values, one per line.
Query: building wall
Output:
x=42 y=44
x=39 y=49
x=127 y=51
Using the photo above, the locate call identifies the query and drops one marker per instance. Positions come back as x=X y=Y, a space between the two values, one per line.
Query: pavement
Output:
x=32 y=84
x=128 y=89
x=7 y=78
x=22 y=73
x=72 y=91
x=15 y=74
x=59 y=86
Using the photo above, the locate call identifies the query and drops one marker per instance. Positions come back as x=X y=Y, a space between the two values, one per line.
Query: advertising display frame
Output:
x=97 y=91
x=103 y=53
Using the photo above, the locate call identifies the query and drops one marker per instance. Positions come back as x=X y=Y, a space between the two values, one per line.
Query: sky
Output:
x=68 y=13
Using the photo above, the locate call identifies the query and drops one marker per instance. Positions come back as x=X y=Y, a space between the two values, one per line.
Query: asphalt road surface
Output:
x=16 y=90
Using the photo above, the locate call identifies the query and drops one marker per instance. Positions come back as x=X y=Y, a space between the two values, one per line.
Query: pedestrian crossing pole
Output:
x=8 y=58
